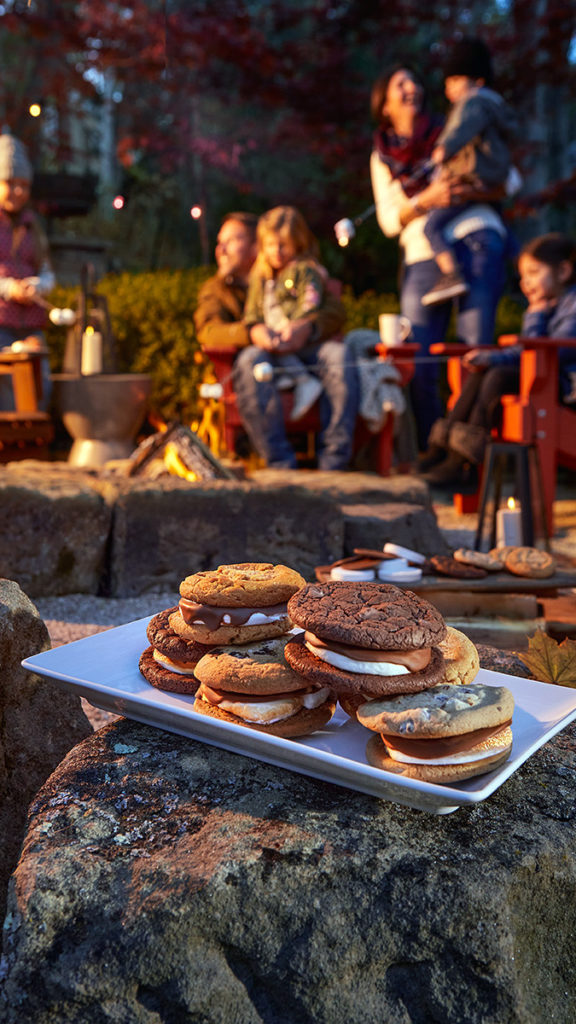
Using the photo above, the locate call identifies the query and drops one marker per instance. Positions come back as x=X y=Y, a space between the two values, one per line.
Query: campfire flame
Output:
x=176 y=466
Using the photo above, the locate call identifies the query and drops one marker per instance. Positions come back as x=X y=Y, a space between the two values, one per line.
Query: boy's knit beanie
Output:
x=14 y=162
x=470 y=57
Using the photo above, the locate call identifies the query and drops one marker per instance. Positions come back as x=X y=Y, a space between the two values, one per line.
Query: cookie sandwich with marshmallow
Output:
x=445 y=734
x=365 y=640
x=170 y=660
x=235 y=604
x=253 y=685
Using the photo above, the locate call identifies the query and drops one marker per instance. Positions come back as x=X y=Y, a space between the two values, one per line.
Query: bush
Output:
x=152 y=322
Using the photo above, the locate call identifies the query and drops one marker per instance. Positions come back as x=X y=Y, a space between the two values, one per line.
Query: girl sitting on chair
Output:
x=456 y=445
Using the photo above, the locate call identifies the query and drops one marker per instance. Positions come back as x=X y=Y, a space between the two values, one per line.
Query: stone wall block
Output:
x=412 y=526
x=39 y=723
x=53 y=533
x=167 y=530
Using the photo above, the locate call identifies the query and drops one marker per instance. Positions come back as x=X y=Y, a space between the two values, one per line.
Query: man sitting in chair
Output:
x=218 y=320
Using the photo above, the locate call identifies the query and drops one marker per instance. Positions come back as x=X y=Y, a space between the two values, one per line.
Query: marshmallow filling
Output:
x=181 y=667
x=261 y=710
x=361 y=660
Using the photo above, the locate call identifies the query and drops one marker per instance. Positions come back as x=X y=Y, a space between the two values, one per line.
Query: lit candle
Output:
x=91 y=352
x=509 y=525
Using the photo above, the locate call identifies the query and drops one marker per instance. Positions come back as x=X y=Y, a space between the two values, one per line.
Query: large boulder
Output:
x=167 y=529
x=39 y=723
x=54 y=529
x=166 y=880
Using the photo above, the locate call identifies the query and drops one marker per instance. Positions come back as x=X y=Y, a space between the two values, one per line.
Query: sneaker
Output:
x=308 y=389
x=448 y=286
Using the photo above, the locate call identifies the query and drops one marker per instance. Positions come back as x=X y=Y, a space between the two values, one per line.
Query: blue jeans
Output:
x=480 y=257
x=436 y=223
x=261 y=410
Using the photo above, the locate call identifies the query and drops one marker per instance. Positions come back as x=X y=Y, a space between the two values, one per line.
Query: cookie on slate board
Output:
x=531 y=562
x=481 y=559
x=444 y=565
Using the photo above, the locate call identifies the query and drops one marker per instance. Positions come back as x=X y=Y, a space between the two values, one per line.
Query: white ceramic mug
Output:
x=394 y=329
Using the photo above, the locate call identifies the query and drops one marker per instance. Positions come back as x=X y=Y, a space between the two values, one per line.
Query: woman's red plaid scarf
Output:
x=407 y=158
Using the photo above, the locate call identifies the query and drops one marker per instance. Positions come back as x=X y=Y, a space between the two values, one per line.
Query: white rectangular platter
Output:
x=104 y=669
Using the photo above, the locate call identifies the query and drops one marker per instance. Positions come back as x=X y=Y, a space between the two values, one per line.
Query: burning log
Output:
x=183 y=452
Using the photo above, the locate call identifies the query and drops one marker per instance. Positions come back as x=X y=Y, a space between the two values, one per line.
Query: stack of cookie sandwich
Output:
x=170 y=660
x=379 y=647
x=240 y=612
x=445 y=735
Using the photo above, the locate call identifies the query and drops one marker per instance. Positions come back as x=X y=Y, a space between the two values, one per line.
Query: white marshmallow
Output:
x=372 y=668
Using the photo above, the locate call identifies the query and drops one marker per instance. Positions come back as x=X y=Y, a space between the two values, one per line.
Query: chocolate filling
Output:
x=445 y=746
x=217 y=696
x=213 y=617
x=414 y=660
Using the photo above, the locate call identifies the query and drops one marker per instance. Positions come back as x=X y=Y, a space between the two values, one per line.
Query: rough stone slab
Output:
x=219 y=889
x=350 y=488
x=54 y=529
x=39 y=723
x=372 y=526
x=165 y=530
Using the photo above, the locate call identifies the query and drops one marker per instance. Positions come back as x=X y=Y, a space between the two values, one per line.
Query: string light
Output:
x=35 y=110
x=196 y=212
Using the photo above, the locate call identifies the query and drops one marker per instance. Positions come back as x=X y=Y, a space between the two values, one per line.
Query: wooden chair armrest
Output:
x=397 y=352
x=535 y=343
x=441 y=348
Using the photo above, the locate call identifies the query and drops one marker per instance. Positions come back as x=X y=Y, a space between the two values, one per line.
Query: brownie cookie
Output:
x=164 y=679
x=350 y=702
x=258 y=668
x=244 y=585
x=531 y=562
x=461 y=661
x=481 y=559
x=371 y=615
x=172 y=645
x=444 y=565
x=347 y=683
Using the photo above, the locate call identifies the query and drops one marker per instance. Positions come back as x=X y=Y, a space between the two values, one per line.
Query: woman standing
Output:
x=404 y=140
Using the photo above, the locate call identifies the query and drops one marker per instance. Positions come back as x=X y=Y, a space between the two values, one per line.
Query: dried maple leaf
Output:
x=550 y=661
